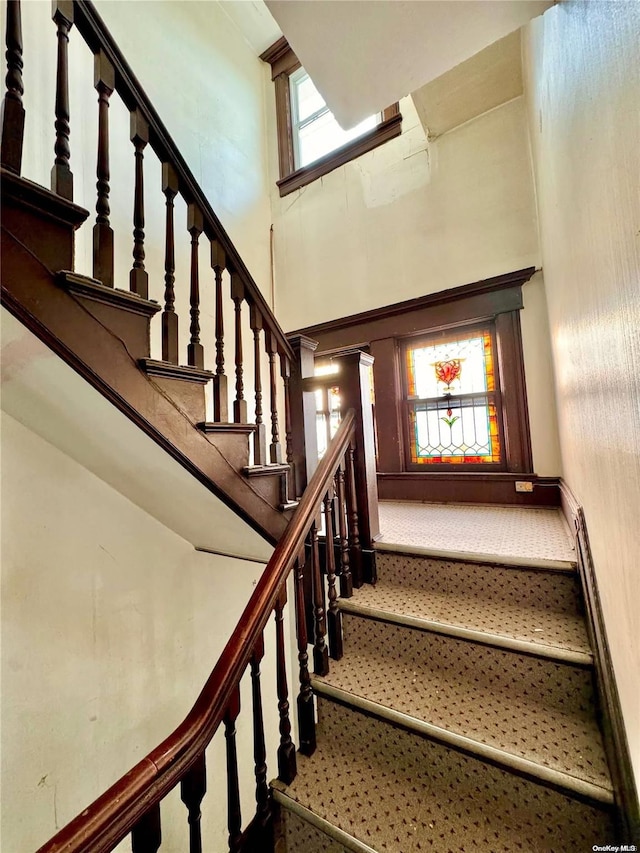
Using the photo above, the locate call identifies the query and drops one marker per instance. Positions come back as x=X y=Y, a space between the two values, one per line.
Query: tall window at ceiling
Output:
x=315 y=131
x=311 y=143
x=453 y=405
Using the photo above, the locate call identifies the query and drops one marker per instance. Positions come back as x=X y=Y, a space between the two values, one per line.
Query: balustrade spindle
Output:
x=334 y=615
x=263 y=810
x=170 y=187
x=195 y=350
x=138 y=277
x=193 y=787
x=104 y=82
x=239 y=404
x=306 y=711
x=260 y=435
x=346 y=580
x=234 y=815
x=355 y=548
x=285 y=373
x=275 y=448
x=61 y=176
x=320 y=651
x=286 y=751
x=12 y=119
x=220 y=398
x=146 y=835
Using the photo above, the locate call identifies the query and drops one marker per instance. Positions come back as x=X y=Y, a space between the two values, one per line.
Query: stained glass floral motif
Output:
x=451 y=396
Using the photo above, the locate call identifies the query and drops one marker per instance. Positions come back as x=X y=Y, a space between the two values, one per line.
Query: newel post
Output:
x=304 y=443
x=356 y=392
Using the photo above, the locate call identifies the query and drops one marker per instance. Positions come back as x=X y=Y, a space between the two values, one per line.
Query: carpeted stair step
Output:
x=522 y=605
x=522 y=710
x=384 y=788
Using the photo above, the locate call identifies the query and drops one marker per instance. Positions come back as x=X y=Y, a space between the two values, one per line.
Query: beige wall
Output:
x=406 y=219
x=583 y=92
x=412 y=218
x=111 y=624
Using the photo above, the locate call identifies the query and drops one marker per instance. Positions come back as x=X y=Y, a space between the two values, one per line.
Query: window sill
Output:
x=385 y=131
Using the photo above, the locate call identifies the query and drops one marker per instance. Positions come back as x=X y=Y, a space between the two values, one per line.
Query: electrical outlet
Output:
x=524 y=486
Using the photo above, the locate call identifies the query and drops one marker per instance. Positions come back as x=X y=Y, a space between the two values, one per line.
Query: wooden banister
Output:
x=101 y=826
x=92 y=28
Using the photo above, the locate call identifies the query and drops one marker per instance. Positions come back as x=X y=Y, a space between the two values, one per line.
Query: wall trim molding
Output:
x=614 y=732
x=441 y=297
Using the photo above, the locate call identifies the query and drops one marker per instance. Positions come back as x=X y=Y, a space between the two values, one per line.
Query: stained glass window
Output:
x=451 y=398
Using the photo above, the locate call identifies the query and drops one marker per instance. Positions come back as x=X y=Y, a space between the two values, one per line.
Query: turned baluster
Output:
x=220 y=398
x=104 y=81
x=286 y=751
x=306 y=711
x=195 y=350
x=260 y=435
x=346 y=580
x=320 y=651
x=239 y=404
x=263 y=807
x=334 y=616
x=285 y=373
x=146 y=835
x=193 y=787
x=355 y=548
x=138 y=277
x=12 y=119
x=234 y=816
x=275 y=448
x=61 y=176
x=169 y=317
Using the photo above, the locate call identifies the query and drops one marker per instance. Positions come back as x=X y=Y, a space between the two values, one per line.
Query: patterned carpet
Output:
x=511 y=532
x=462 y=716
x=535 y=606
x=398 y=792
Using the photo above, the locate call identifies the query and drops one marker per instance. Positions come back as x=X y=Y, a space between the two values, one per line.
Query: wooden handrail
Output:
x=95 y=33
x=101 y=826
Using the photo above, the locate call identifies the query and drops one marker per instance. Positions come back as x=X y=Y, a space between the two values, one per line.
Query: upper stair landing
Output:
x=531 y=537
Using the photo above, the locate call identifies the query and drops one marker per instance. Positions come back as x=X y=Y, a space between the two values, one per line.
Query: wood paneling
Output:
x=468 y=487
x=383 y=331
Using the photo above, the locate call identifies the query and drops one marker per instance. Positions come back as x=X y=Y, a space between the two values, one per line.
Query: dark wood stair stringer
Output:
x=66 y=322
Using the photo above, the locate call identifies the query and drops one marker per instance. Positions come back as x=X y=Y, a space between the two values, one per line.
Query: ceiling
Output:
x=364 y=55
x=490 y=78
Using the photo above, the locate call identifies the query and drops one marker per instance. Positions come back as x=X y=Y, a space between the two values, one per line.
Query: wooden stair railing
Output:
x=112 y=74
x=132 y=805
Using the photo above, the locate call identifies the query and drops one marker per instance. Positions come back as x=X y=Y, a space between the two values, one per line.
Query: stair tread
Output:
x=398 y=792
x=534 y=708
x=544 y=628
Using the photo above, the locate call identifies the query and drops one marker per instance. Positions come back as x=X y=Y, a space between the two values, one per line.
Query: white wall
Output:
x=583 y=93
x=414 y=217
x=406 y=219
x=111 y=624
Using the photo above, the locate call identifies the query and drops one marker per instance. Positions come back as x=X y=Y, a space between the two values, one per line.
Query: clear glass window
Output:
x=315 y=130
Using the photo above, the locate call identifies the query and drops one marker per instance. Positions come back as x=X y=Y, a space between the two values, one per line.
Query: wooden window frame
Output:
x=284 y=63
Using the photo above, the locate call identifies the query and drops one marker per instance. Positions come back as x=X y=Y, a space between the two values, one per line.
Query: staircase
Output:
x=461 y=717
x=458 y=712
